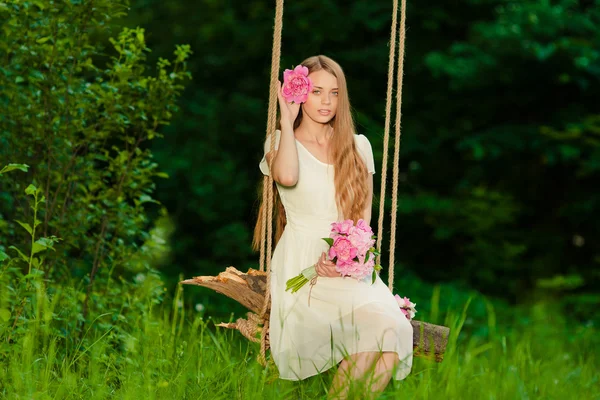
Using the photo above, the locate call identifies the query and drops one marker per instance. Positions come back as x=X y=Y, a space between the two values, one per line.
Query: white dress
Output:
x=345 y=316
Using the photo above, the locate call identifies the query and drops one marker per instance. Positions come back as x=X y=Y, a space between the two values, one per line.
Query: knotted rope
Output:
x=251 y=327
x=267 y=220
x=386 y=137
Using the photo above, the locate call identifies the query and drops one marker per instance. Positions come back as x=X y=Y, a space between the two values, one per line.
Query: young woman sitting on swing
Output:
x=323 y=173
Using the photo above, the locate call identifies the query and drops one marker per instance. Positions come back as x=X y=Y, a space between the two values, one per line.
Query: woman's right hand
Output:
x=289 y=111
x=325 y=267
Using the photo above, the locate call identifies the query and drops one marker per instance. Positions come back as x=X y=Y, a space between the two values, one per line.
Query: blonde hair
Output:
x=350 y=170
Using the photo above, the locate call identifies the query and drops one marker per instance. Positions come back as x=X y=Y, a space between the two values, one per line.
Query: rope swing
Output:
x=252 y=289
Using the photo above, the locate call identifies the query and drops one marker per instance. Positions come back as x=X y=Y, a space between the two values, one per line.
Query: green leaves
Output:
x=12 y=167
x=329 y=241
x=4 y=314
x=23 y=256
x=26 y=226
x=44 y=243
x=30 y=190
x=376 y=268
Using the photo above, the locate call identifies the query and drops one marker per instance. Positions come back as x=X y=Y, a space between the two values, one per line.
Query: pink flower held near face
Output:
x=296 y=84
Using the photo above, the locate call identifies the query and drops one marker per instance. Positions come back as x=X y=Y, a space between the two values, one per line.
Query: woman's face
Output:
x=322 y=102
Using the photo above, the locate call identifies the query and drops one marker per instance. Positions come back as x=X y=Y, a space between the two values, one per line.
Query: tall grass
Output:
x=175 y=352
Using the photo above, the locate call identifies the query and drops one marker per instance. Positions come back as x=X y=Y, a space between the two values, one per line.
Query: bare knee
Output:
x=365 y=357
x=360 y=362
x=390 y=358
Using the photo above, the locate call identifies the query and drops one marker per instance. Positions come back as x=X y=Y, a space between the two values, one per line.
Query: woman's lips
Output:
x=324 y=112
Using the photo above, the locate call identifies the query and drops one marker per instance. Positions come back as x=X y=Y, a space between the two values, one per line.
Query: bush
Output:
x=70 y=251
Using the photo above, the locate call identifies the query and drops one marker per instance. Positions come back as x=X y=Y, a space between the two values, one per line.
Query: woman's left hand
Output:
x=325 y=267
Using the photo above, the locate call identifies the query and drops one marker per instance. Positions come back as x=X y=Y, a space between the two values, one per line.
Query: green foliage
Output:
x=83 y=245
x=529 y=72
x=499 y=148
x=173 y=351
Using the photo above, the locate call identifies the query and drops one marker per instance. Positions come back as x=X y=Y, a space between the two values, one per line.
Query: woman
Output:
x=323 y=172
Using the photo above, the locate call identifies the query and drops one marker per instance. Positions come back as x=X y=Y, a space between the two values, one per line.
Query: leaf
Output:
x=23 y=256
x=43 y=40
x=40 y=4
x=25 y=225
x=3 y=256
x=329 y=241
x=162 y=175
x=374 y=277
x=367 y=256
x=30 y=189
x=19 y=79
x=47 y=243
x=4 y=314
x=11 y=167
x=147 y=199
x=37 y=247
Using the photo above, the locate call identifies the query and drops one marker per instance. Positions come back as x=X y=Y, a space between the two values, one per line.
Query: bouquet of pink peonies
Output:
x=350 y=248
x=406 y=306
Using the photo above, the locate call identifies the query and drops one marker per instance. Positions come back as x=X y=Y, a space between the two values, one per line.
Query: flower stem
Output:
x=297 y=282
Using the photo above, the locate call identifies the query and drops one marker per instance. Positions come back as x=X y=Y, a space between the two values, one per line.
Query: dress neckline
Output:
x=311 y=154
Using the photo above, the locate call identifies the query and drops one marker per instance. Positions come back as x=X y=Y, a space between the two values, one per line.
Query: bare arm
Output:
x=285 y=163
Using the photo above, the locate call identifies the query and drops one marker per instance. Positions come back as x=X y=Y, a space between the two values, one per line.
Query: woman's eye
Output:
x=336 y=93
x=316 y=91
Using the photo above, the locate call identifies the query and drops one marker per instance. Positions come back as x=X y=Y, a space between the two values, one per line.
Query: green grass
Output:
x=495 y=352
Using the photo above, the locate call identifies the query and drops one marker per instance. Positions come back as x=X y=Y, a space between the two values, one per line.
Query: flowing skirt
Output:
x=345 y=316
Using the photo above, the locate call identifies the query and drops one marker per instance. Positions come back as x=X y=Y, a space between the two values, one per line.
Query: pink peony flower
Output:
x=361 y=239
x=406 y=306
x=342 y=227
x=296 y=84
x=362 y=225
x=343 y=250
x=361 y=269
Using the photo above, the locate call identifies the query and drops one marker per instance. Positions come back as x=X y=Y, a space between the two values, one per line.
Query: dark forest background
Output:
x=500 y=154
x=145 y=142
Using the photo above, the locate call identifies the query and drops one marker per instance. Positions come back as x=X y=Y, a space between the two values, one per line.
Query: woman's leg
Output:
x=372 y=370
x=353 y=371
x=383 y=373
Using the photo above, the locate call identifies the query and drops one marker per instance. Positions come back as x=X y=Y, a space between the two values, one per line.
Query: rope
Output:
x=386 y=137
x=268 y=180
x=397 y=144
x=268 y=196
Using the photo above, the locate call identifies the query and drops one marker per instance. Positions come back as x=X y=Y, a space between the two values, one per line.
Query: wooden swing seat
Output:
x=248 y=289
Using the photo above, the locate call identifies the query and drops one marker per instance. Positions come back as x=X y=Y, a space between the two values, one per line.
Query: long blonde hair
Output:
x=350 y=169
